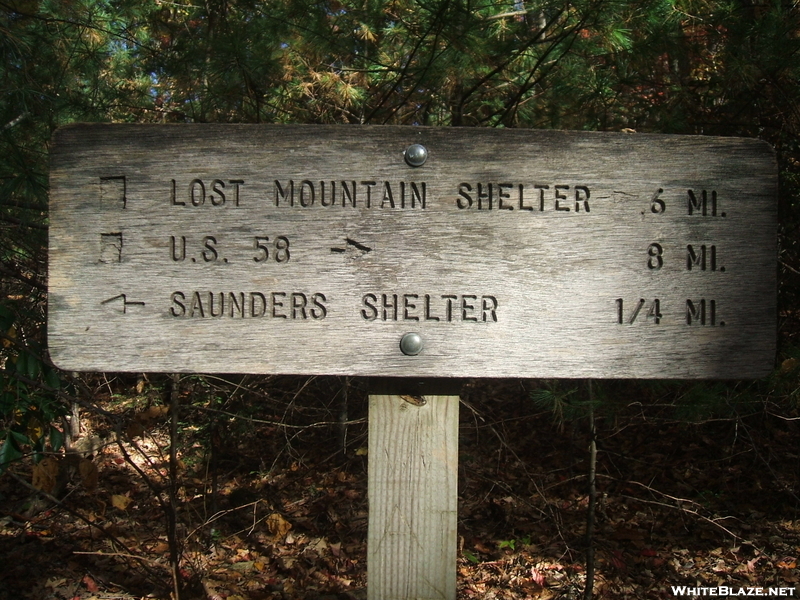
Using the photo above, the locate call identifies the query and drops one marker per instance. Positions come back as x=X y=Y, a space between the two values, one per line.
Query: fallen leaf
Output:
x=88 y=472
x=618 y=560
x=90 y=584
x=244 y=566
x=320 y=545
x=55 y=582
x=121 y=502
x=751 y=564
x=134 y=429
x=45 y=474
x=278 y=526
x=155 y=412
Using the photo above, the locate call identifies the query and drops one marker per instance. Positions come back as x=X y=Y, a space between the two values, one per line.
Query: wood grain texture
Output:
x=537 y=253
x=413 y=495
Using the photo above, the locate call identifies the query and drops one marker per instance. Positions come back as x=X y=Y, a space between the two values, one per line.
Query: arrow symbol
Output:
x=357 y=245
x=125 y=302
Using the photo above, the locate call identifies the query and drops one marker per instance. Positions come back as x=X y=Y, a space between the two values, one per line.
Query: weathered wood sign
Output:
x=401 y=251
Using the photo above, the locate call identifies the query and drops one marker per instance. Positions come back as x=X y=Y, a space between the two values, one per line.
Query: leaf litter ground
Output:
x=270 y=507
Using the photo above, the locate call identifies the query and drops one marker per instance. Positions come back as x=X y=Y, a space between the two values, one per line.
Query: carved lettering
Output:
x=295 y=306
x=703 y=312
x=522 y=205
x=699 y=258
x=419 y=193
x=111 y=247
x=485 y=195
x=560 y=195
x=277 y=305
x=388 y=198
x=389 y=303
x=306 y=193
x=217 y=195
x=220 y=305
x=120 y=303
x=197 y=192
x=114 y=191
x=236 y=183
x=489 y=309
x=236 y=304
x=369 y=185
x=280 y=249
x=174 y=196
x=657 y=205
x=349 y=193
x=655 y=252
x=210 y=253
x=428 y=315
x=467 y=308
x=446 y=308
x=260 y=300
x=370 y=310
x=541 y=188
x=408 y=307
x=210 y=192
x=330 y=198
x=196 y=309
x=653 y=312
x=178 y=308
x=448 y=311
x=178 y=248
x=352 y=194
x=502 y=195
x=318 y=308
x=704 y=203
x=582 y=195
x=496 y=196
x=464 y=199
x=285 y=194
x=299 y=302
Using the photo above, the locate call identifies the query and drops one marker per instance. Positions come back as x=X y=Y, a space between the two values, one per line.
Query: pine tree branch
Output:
x=23 y=278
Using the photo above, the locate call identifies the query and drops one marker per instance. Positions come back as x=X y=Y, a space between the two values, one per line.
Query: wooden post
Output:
x=413 y=494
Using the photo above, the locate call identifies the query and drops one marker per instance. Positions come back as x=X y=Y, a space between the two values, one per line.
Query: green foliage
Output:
x=512 y=543
x=680 y=66
x=567 y=400
x=29 y=403
x=701 y=401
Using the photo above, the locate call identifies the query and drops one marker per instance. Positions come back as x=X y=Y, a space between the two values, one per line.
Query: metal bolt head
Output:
x=411 y=344
x=416 y=155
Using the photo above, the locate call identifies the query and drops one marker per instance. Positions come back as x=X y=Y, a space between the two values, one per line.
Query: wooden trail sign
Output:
x=315 y=249
x=411 y=252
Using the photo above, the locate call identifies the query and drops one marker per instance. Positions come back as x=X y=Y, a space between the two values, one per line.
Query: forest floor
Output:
x=271 y=496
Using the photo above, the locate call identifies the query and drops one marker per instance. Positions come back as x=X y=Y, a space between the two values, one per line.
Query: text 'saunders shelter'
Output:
x=411 y=252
